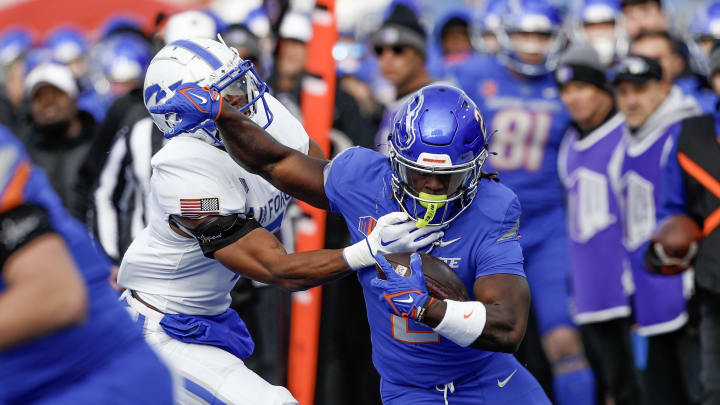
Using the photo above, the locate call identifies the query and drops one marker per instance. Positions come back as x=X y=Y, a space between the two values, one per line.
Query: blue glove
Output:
x=403 y=296
x=193 y=105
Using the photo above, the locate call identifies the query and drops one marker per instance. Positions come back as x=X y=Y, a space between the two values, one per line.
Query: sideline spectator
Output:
x=60 y=134
x=602 y=305
x=400 y=46
x=654 y=109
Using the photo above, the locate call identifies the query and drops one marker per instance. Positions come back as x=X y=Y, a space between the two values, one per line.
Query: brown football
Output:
x=442 y=282
x=676 y=234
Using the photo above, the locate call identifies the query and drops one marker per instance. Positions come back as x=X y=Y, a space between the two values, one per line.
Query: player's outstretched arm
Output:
x=292 y=172
x=260 y=256
x=44 y=291
x=241 y=245
x=506 y=302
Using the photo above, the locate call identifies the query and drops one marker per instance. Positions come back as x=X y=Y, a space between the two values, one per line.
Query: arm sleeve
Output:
x=501 y=251
x=20 y=226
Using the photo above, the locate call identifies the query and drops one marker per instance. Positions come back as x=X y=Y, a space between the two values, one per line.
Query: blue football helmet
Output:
x=124 y=57
x=486 y=22
x=530 y=16
x=438 y=131
x=588 y=26
x=704 y=27
x=13 y=44
x=67 y=44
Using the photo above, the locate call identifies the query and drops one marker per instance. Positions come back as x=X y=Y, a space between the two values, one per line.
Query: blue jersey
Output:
x=527 y=121
x=482 y=241
x=46 y=365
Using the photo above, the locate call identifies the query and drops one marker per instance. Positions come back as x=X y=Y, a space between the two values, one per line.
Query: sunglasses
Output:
x=396 y=50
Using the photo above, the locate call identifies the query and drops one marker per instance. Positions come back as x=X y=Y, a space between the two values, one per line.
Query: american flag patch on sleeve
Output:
x=197 y=207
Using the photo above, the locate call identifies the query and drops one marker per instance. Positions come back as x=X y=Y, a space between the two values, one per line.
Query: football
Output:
x=674 y=245
x=442 y=282
x=676 y=234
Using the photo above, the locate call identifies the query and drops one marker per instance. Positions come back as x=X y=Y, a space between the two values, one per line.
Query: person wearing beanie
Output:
x=691 y=180
x=400 y=47
x=602 y=307
x=654 y=110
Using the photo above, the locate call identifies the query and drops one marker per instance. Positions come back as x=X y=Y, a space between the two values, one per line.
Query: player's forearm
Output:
x=299 y=271
x=248 y=144
x=503 y=330
x=285 y=168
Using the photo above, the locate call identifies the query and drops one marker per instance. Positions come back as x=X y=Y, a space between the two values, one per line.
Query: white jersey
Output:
x=192 y=178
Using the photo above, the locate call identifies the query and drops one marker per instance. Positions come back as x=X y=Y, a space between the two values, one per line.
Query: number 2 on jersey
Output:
x=520 y=139
x=402 y=332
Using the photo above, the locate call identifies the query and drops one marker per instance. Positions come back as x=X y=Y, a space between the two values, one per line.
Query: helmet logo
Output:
x=479 y=118
x=406 y=136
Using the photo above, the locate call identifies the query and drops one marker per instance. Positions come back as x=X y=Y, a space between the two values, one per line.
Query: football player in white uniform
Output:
x=210 y=221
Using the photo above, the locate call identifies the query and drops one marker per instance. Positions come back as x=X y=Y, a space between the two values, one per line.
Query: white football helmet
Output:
x=208 y=63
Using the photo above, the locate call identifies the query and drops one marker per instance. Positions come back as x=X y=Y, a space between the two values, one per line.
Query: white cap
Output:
x=189 y=24
x=297 y=26
x=54 y=74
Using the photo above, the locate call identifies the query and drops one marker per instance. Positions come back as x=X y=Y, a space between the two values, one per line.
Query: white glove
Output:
x=394 y=233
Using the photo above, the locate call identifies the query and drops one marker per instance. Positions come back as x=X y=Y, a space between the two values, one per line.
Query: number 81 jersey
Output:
x=526 y=120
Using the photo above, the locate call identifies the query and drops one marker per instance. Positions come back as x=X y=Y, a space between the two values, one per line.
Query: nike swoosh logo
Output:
x=468 y=315
x=387 y=243
x=445 y=243
x=202 y=99
x=406 y=301
x=505 y=381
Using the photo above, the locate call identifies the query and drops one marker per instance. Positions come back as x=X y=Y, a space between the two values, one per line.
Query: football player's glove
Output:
x=403 y=296
x=193 y=105
x=393 y=233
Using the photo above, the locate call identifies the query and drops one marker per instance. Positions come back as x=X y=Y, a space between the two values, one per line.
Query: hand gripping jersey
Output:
x=192 y=178
x=526 y=120
x=635 y=171
x=105 y=346
x=482 y=241
x=596 y=249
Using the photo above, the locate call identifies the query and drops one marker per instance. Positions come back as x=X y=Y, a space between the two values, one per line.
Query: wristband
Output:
x=358 y=255
x=418 y=315
x=463 y=322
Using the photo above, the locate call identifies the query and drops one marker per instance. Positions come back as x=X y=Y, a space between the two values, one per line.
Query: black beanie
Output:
x=402 y=27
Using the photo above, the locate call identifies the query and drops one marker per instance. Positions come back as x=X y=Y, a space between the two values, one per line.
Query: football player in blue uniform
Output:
x=426 y=350
x=516 y=94
x=64 y=338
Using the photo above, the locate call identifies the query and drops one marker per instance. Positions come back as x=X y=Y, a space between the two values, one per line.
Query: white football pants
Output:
x=210 y=375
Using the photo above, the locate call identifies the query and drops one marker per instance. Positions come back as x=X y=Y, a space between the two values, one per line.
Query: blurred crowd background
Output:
x=72 y=77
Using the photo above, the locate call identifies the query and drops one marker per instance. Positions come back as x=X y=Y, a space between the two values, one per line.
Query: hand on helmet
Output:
x=193 y=105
